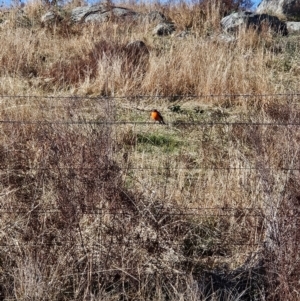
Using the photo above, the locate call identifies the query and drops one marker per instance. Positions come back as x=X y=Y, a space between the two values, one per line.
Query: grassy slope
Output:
x=148 y=171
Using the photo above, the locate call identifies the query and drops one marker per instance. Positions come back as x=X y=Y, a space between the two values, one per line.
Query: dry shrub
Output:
x=282 y=113
x=276 y=159
x=133 y=59
x=53 y=177
x=282 y=261
x=282 y=247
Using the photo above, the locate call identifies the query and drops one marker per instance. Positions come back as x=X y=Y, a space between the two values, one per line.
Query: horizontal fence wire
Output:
x=147 y=123
x=154 y=96
x=293 y=99
x=152 y=168
x=110 y=244
x=28 y=169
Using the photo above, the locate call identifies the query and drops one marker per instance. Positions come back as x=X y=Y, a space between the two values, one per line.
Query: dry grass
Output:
x=58 y=59
x=205 y=208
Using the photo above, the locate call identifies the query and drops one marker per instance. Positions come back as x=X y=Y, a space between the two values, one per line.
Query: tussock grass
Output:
x=66 y=57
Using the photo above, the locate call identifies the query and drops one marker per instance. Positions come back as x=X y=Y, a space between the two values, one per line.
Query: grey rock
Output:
x=79 y=13
x=101 y=13
x=48 y=17
x=293 y=26
x=233 y=22
x=287 y=8
x=105 y=11
x=164 y=29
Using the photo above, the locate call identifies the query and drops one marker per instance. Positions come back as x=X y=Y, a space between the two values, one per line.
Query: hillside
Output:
x=99 y=202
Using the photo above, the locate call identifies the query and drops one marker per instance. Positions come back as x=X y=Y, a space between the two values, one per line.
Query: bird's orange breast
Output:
x=155 y=115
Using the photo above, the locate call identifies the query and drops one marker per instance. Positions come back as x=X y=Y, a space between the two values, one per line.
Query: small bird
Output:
x=157 y=116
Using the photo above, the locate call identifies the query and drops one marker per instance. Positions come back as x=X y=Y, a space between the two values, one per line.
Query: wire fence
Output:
x=139 y=96
x=64 y=157
x=97 y=200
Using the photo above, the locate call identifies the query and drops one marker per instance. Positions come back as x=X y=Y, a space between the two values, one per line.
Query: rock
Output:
x=50 y=17
x=234 y=21
x=293 y=26
x=164 y=29
x=287 y=8
x=101 y=13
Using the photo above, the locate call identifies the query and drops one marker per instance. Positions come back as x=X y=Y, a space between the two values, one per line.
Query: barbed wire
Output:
x=26 y=168
x=200 y=123
x=127 y=213
x=199 y=211
x=116 y=210
x=246 y=95
x=110 y=243
x=183 y=214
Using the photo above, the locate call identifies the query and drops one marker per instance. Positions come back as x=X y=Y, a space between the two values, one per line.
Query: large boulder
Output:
x=287 y=8
x=101 y=13
x=233 y=22
x=104 y=12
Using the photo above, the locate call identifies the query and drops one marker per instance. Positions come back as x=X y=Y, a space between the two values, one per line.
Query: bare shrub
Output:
x=282 y=261
x=56 y=178
x=273 y=144
x=133 y=59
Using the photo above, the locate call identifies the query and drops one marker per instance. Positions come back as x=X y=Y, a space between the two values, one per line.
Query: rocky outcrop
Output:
x=233 y=22
x=287 y=8
x=104 y=12
x=51 y=17
x=101 y=13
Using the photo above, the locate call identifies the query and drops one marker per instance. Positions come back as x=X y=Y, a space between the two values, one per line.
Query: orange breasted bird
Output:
x=157 y=116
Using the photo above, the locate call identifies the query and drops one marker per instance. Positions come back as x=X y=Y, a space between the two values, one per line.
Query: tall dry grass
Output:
x=201 y=209
x=58 y=59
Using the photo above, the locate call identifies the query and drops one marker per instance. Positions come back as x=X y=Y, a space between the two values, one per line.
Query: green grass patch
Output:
x=150 y=142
